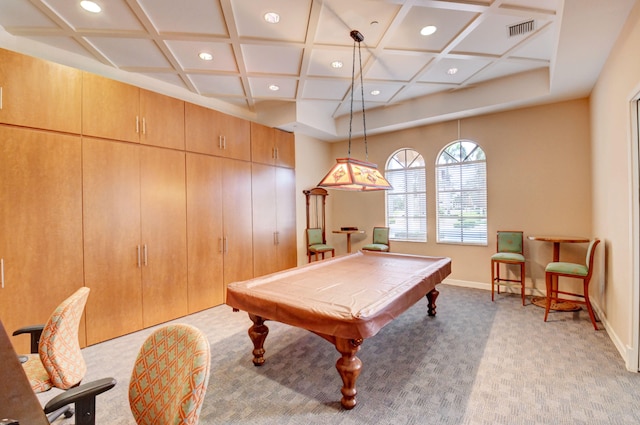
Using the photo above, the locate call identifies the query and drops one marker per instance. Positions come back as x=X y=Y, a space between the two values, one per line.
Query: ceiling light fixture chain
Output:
x=350 y=173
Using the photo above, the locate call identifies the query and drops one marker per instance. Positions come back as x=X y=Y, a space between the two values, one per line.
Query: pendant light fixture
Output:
x=350 y=173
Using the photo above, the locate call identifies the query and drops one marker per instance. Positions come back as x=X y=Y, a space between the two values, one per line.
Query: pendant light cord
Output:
x=357 y=38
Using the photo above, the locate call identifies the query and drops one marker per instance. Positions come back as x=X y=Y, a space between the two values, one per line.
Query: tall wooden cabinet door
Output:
x=262 y=144
x=286 y=218
x=238 y=242
x=112 y=248
x=162 y=120
x=204 y=232
x=285 y=148
x=110 y=109
x=40 y=226
x=38 y=93
x=164 y=234
x=265 y=255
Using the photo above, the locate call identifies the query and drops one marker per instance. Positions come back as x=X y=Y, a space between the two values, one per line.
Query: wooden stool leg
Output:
x=588 y=302
x=493 y=266
x=522 y=281
x=549 y=294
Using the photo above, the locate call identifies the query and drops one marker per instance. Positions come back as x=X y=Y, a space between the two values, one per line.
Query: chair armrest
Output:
x=35 y=331
x=82 y=395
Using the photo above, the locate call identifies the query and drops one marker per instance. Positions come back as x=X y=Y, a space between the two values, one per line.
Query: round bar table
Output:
x=348 y=233
x=557 y=240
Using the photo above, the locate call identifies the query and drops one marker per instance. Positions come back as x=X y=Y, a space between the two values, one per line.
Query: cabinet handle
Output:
x=2 y=271
x=219 y=142
x=145 y=255
x=224 y=142
x=221 y=246
x=276 y=153
x=138 y=250
x=226 y=246
x=0 y=97
x=275 y=238
x=137 y=124
x=144 y=125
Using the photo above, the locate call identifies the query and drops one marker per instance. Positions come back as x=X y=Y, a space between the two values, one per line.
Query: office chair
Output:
x=168 y=382
x=56 y=359
x=170 y=376
x=380 y=240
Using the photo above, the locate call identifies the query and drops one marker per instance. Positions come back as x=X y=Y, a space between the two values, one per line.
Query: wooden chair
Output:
x=316 y=244
x=380 y=240
x=509 y=251
x=577 y=271
x=316 y=200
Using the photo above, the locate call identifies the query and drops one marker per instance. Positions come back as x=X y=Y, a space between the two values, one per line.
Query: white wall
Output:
x=612 y=139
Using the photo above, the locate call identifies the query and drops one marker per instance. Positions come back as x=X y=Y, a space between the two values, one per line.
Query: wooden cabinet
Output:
x=40 y=226
x=274 y=221
x=112 y=248
x=163 y=234
x=204 y=231
x=162 y=120
x=272 y=146
x=219 y=227
x=118 y=111
x=236 y=216
x=134 y=237
x=39 y=94
x=212 y=132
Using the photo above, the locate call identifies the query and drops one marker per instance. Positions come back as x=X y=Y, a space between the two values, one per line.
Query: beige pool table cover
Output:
x=351 y=296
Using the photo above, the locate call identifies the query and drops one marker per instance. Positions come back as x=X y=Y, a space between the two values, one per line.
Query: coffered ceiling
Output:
x=556 y=53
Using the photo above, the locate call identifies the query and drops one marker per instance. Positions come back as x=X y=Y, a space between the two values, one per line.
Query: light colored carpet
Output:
x=476 y=362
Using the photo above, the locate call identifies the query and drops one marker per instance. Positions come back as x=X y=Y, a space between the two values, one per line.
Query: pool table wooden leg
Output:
x=258 y=333
x=431 y=296
x=349 y=368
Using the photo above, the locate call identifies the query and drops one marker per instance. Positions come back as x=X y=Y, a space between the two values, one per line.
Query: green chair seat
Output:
x=508 y=256
x=320 y=247
x=376 y=247
x=567 y=268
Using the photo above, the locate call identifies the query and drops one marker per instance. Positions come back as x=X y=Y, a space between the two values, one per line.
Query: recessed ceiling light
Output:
x=272 y=17
x=205 y=56
x=274 y=87
x=428 y=30
x=336 y=64
x=375 y=92
x=90 y=6
x=452 y=71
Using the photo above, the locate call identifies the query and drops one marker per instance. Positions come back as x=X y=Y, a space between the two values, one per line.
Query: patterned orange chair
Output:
x=170 y=376
x=56 y=359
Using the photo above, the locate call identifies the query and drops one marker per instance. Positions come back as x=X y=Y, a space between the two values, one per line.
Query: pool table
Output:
x=344 y=300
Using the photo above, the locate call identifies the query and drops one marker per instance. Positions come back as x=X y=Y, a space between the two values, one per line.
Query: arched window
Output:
x=407 y=201
x=461 y=181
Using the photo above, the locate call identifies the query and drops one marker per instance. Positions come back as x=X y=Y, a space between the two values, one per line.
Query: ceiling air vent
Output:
x=521 y=28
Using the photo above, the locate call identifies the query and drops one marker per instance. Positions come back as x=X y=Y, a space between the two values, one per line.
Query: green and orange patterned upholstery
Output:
x=170 y=376
x=59 y=362
x=380 y=240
